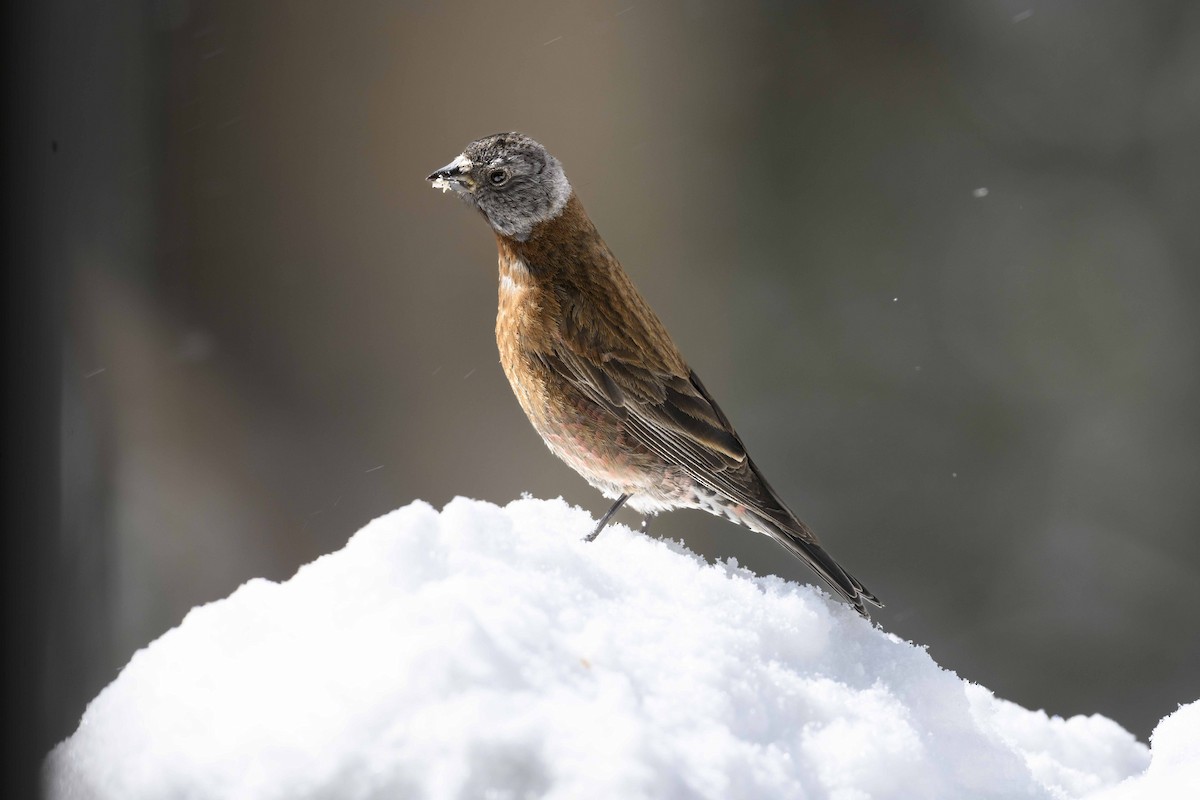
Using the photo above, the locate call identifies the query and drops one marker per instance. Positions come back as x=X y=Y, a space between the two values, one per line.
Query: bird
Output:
x=595 y=370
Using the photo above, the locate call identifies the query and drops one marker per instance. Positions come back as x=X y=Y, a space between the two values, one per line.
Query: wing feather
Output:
x=675 y=418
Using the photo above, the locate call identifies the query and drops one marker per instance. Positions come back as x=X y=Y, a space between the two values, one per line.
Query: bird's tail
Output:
x=799 y=539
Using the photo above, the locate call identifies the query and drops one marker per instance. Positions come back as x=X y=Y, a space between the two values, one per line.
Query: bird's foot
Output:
x=607 y=516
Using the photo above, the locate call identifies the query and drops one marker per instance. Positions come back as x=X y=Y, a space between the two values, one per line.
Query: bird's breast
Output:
x=521 y=331
x=589 y=438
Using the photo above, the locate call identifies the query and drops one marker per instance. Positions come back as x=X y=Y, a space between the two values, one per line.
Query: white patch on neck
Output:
x=513 y=278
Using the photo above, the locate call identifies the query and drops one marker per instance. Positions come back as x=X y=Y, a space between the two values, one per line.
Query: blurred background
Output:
x=937 y=261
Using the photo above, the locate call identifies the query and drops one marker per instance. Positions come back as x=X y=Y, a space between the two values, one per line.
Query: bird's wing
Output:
x=676 y=419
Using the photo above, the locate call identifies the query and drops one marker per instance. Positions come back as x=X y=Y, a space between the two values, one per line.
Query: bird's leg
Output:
x=607 y=516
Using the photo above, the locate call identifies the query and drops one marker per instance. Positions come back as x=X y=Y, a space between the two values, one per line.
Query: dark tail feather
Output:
x=802 y=543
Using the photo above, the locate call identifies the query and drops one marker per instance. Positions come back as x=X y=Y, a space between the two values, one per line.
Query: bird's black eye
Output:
x=498 y=177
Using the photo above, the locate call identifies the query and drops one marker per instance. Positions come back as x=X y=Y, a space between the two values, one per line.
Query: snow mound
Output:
x=487 y=652
x=1174 y=761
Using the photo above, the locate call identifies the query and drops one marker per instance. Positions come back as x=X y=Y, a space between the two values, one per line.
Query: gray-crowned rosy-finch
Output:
x=595 y=370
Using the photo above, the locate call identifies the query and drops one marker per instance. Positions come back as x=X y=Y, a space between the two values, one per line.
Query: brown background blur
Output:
x=938 y=263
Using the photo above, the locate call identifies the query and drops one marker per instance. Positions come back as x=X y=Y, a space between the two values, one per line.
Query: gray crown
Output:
x=511 y=179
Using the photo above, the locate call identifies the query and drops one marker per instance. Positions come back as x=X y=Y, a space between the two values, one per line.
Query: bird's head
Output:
x=511 y=179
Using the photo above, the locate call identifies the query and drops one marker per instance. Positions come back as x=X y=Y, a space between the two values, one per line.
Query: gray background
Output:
x=986 y=405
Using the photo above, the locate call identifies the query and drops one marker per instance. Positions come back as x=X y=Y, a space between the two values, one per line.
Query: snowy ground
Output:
x=487 y=652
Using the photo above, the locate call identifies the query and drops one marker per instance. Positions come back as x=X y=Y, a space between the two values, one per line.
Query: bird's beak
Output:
x=456 y=175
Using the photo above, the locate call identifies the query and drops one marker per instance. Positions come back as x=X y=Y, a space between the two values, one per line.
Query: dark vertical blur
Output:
x=31 y=325
x=937 y=261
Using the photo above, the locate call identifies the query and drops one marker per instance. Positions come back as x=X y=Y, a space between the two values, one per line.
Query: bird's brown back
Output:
x=572 y=290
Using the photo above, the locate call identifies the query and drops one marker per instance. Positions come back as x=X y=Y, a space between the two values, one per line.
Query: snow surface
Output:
x=487 y=652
